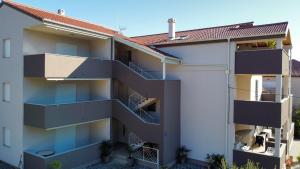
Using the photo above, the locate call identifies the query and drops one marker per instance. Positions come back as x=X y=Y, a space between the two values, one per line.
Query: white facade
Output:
x=203 y=96
x=295 y=83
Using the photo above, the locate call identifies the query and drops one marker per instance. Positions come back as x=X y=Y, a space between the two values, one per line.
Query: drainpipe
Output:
x=164 y=70
x=227 y=71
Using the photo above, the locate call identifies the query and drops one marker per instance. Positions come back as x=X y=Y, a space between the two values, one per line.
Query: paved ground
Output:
x=5 y=166
x=295 y=151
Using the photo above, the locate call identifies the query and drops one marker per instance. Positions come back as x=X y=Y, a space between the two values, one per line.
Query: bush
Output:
x=216 y=161
x=182 y=154
x=56 y=165
x=298 y=159
x=106 y=150
x=296 y=119
x=250 y=165
x=223 y=164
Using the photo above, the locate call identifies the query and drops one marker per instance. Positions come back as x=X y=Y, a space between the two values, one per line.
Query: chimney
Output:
x=61 y=12
x=171 y=33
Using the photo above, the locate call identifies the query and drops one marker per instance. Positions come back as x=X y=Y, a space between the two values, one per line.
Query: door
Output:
x=65 y=138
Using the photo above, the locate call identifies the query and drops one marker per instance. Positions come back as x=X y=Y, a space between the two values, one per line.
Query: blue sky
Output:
x=142 y=17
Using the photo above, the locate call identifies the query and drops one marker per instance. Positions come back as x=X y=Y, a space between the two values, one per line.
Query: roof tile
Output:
x=242 y=30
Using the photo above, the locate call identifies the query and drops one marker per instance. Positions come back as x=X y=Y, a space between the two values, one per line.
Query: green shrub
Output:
x=296 y=120
x=56 y=165
x=216 y=161
x=250 y=165
x=298 y=159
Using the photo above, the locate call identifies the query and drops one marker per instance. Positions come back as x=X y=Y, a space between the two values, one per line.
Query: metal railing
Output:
x=147 y=154
x=133 y=103
x=142 y=72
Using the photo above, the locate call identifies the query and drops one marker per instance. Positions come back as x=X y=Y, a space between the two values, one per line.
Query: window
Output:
x=6 y=137
x=6 y=92
x=6 y=48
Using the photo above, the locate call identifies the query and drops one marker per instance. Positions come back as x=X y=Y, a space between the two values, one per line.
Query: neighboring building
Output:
x=68 y=85
x=296 y=83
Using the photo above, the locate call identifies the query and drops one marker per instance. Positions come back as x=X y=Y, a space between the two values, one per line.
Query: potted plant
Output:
x=182 y=154
x=215 y=160
x=131 y=159
x=106 y=150
x=56 y=165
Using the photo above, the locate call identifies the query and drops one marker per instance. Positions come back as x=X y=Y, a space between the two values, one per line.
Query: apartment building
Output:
x=69 y=84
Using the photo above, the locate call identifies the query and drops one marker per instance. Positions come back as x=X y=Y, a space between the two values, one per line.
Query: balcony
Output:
x=267 y=61
x=63 y=66
x=69 y=159
x=262 y=113
x=265 y=159
x=49 y=116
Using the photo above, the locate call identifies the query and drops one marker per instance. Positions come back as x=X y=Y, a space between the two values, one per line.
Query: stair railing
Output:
x=141 y=71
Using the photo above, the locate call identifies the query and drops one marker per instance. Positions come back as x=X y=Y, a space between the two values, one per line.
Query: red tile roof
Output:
x=295 y=68
x=242 y=30
x=42 y=14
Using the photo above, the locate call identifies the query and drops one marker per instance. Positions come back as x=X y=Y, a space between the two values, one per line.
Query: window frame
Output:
x=4 y=52
x=6 y=137
x=6 y=94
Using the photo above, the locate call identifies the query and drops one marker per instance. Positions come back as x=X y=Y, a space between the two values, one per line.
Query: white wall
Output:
x=203 y=96
x=11 y=114
x=295 y=89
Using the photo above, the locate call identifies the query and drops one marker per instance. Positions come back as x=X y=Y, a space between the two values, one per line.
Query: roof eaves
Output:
x=49 y=21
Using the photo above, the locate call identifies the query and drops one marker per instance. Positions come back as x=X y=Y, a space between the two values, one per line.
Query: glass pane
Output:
x=6 y=48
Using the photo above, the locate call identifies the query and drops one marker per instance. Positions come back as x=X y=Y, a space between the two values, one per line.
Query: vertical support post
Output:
x=285 y=86
x=157 y=155
x=279 y=43
x=112 y=49
x=164 y=70
x=143 y=154
x=277 y=142
x=278 y=92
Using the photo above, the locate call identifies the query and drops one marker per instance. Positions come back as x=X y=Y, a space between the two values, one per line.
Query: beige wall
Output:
x=43 y=91
x=40 y=42
x=101 y=49
x=88 y=133
x=147 y=62
x=11 y=114
x=245 y=89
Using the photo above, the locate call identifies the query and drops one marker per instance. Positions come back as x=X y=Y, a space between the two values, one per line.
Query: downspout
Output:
x=227 y=71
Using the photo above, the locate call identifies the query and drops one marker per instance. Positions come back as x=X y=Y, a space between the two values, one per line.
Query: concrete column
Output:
x=285 y=130
x=278 y=92
x=112 y=49
x=279 y=44
x=164 y=70
x=277 y=141
x=286 y=86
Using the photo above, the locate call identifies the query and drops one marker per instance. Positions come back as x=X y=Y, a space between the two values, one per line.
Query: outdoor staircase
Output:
x=142 y=72
x=137 y=102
